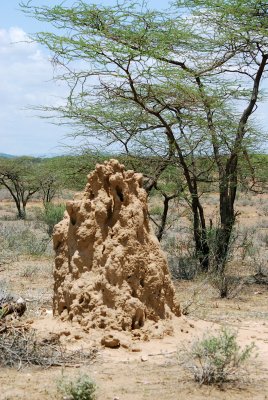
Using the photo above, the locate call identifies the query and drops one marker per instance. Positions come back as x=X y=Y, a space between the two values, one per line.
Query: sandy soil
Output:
x=154 y=370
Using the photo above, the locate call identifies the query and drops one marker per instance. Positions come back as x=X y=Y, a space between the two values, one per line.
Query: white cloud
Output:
x=26 y=80
x=24 y=68
x=15 y=41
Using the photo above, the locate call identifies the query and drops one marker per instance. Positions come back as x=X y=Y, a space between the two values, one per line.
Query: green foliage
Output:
x=83 y=388
x=255 y=171
x=51 y=215
x=70 y=171
x=218 y=358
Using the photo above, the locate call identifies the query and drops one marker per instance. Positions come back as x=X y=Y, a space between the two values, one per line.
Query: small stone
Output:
x=110 y=341
x=77 y=336
x=65 y=333
x=144 y=358
x=125 y=345
x=135 y=349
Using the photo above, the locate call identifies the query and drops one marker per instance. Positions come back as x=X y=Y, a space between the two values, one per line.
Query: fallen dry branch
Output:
x=19 y=347
x=261 y=279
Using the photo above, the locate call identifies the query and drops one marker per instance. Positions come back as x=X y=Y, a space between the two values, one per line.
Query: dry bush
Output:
x=21 y=239
x=260 y=264
x=20 y=347
x=227 y=286
x=30 y=271
x=195 y=296
x=182 y=261
x=217 y=358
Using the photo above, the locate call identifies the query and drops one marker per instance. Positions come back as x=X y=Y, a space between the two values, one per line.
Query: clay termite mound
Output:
x=110 y=272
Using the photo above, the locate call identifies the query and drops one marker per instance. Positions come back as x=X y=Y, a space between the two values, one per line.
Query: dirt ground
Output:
x=153 y=370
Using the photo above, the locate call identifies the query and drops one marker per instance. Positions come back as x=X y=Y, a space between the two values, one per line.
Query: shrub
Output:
x=156 y=210
x=265 y=210
x=51 y=215
x=217 y=359
x=83 y=388
x=183 y=267
x=21 y=240
x=33 y=245
x=29 y=271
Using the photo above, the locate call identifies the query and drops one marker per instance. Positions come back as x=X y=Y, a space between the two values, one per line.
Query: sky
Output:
x=27 y=81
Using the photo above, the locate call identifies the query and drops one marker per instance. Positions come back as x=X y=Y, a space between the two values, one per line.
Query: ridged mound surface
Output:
x=110 y=272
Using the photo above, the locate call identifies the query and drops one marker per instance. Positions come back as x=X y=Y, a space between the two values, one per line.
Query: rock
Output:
x=144 y=358
x=77 y=336
x=110 y=272
x=110 y=341
x=65 y=332
x=135 y=349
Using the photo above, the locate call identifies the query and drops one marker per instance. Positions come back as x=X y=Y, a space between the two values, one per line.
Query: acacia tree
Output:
x=167 y=83
x=18 y=176
x=50 y=178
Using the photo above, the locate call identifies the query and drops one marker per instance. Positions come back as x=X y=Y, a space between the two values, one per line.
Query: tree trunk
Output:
x=20 y=208
x=21 y=212
x=200 y=235
x=161 y=227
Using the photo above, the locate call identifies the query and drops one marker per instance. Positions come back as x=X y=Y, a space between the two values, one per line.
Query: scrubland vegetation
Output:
x=26 y=264
x=34 y=192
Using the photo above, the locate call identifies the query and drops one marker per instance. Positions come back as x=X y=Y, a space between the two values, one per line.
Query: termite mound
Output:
x=110 y=272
